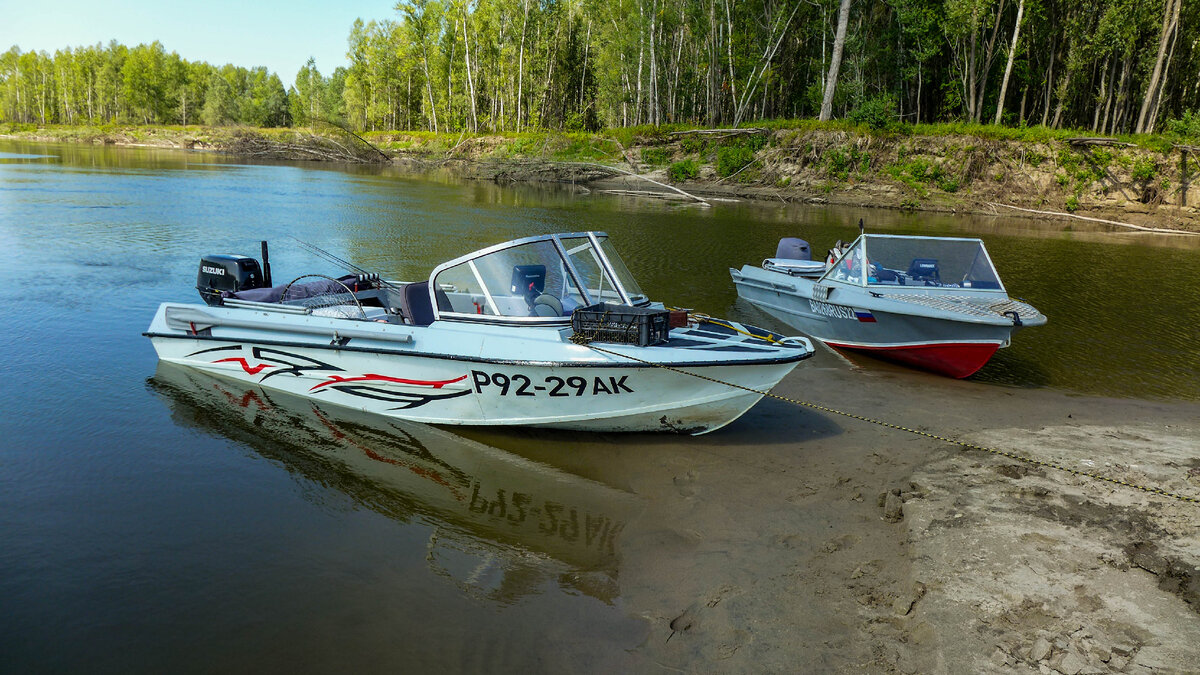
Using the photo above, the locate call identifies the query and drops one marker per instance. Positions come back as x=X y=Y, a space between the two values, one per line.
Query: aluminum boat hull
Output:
x=895 y=326
x=439 y=374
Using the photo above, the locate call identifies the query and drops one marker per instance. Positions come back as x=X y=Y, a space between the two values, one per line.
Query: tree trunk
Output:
x=1012 y=53
x=429 y=90
x=1102 y=98
x=1122 y=95
x=654 y=67
x=587 y=44
x=1152 y=119
x=835 y=62
x=521 y=69
x=470 y=81
x=729 y=51
x=982 y=78
x=1170 y=22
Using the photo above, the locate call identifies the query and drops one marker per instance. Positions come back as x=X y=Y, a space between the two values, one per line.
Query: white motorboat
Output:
x=935 y=303
x=489 y=339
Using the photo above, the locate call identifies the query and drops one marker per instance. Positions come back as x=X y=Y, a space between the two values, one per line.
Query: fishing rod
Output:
x=346 y=264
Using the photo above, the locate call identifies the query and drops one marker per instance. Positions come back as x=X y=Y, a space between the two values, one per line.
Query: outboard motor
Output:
x=793 y=248
x=225 y=272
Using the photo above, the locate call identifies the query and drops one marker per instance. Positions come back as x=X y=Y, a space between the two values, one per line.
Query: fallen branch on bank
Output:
x=721 y=133
x=1100 y=141
x=303 y=147
x=1161 y=230
x=649 y=180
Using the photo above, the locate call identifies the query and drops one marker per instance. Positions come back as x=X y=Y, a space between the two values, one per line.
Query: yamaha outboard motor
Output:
x=224 y=272
x=793 y=248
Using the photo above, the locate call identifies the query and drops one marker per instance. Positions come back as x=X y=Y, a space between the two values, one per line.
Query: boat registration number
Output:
x=520 y=385
x=832 y=311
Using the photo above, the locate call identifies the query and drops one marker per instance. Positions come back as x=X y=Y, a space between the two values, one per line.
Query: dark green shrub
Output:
x=692 y=144
x=876 y=112
x=685 y=170
x=840 y=162
x=732 y=159
x=1143 y=169
x=1187 y=127
x=656 y=155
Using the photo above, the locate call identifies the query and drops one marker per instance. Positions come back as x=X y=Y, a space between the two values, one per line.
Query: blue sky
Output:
x=278 y=35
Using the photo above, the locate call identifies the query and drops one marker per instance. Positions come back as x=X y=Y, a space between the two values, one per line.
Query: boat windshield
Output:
x=924 y=262
x=536 y=279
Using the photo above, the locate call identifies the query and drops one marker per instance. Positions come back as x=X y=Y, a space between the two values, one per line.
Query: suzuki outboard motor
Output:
x=792 y=248
x=225 y=272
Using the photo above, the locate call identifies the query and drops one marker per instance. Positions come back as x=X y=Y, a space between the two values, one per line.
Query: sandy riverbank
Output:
x=769 y=547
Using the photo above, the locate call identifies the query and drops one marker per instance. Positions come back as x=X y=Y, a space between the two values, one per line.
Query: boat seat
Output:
x=415 y=305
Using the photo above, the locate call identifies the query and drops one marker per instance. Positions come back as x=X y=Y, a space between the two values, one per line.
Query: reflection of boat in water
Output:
x=935 y=303
x=501 y=524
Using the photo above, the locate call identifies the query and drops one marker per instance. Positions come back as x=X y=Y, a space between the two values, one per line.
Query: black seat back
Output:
x=415 y=303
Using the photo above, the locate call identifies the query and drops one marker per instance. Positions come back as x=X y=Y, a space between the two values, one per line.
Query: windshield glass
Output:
x=529 y=280
x=535 y=279
x=927 y=262
x=623 y=275
x=849 y=267
x=599 y=284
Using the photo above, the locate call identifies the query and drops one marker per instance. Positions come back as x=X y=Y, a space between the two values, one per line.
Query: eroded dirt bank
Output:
x=965 y=174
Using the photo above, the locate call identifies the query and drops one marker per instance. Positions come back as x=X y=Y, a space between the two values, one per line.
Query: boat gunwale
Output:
x=889 y=302
x=801 y=354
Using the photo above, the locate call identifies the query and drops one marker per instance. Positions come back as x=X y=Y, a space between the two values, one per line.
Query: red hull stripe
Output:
x=371 y=377
x=956 y=359
x=250 y=370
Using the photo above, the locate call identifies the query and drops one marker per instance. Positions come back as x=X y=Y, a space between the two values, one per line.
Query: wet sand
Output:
x=772 y=546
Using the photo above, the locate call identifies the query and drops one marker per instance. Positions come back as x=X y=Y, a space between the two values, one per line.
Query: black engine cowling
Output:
x=226 y=272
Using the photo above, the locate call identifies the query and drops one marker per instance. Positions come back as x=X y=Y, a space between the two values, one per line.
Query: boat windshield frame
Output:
x=574 y=278
x=861 y=248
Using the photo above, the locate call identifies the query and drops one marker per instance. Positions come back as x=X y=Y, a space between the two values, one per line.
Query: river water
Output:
x=156 y=519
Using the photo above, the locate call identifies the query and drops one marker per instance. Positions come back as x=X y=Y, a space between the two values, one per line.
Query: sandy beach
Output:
x=799 y=541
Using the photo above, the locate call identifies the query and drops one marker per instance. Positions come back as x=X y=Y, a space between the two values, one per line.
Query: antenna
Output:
x=349 y=266
x=862 y=229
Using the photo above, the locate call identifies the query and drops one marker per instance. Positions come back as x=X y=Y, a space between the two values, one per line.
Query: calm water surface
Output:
x=156 y=519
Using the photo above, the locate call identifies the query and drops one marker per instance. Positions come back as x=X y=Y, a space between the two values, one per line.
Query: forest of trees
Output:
x=141 y=85
x=1110 y=66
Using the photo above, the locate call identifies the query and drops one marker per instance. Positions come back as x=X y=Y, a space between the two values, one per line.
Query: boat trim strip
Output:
x=788 y=358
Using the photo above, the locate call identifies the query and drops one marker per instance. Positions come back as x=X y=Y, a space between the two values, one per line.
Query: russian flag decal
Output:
x=864 y=316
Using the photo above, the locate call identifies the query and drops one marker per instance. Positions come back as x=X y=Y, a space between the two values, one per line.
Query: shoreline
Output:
x=1136 y=188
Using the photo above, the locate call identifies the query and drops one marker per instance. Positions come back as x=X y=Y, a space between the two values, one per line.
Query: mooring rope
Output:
x=945 y=439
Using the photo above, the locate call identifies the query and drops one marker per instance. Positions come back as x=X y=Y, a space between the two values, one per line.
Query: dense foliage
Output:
x=1112 y=66
x=143 y=84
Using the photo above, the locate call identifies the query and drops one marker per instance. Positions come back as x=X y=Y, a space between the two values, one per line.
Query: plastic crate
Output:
x=622 y=324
